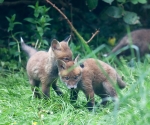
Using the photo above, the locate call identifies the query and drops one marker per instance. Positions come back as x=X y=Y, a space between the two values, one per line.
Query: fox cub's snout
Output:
x=69 y=74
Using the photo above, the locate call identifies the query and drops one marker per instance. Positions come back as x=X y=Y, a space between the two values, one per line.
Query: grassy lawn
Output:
x=18 y=106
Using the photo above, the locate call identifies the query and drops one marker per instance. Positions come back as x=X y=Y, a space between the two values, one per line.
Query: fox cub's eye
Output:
x=66 y=78
x=82 y=65
x=66 y=59
x=76 y=77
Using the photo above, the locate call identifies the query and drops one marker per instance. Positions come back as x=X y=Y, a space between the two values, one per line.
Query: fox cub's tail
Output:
x=27 y=49
x=121 y=83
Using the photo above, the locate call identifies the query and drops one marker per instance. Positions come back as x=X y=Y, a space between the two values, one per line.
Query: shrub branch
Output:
x=73 y=28
x=93 y=35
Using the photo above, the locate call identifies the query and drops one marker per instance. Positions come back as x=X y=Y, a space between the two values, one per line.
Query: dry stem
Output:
x=94 y=34
x=72 y=27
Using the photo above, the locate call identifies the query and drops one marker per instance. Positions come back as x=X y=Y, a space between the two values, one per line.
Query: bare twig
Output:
x=61 y=14
x=78 y=13
x=72 y=27
x=93 y=35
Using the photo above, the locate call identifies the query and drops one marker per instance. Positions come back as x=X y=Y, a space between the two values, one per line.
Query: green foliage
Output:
x=118 y=12
x=115 y=12
x=12 y=22
x=108 y=15
x=121 y=1
x=1 y=1
x=108 y=1
x=11 y=26
x=92 y=4
x=131 y=18
x=40 y=22
x=138 y=1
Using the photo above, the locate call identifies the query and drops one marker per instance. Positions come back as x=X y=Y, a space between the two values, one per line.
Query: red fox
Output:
x=41 y=66
x=93 y=76
x=140 y=38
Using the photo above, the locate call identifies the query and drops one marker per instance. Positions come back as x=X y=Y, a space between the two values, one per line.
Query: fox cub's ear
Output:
x=55 y=45
x=67 y=39
x=61 y=64
x=76 y=59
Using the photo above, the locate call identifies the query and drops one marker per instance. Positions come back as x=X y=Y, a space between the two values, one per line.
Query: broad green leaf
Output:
x=11 y=27
x=17 y=23
x=1 y=1
x=46 y=28
x=146 y=6
x=47 y=9
x=13 y=17
x=31 y=6
x=47 y=24
x=37 y=4
x=134 y=1
x=31 y=20
x=121 y=1
x=2 y=63
x=12 y=43
x=92 y=4
x=36 y=13
x=48 y=18
x=131 y=18
x=108 y=1
x=143 y=1
x=8 y=18
x=45 y=42
x=42 y=19
x=40 y=30
x=16 y=53
x=16 y=33
x=115 y=12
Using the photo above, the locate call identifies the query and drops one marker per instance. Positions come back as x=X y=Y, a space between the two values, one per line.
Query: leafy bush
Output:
x=39 y=22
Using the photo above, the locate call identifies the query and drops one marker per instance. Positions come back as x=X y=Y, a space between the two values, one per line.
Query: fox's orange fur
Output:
x=41 y=66
x=93 y=76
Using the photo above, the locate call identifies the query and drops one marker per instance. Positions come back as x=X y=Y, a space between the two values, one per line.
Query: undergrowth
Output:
x=17 y=106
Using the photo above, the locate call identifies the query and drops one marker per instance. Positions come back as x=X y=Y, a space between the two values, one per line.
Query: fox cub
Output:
x=93 y=76
x=41 y=66
x=140 y=38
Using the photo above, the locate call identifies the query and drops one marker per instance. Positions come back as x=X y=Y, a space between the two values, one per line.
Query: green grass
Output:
x=17 y=106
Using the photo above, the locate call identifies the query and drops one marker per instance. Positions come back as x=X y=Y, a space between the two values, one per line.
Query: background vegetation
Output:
x=38 y=23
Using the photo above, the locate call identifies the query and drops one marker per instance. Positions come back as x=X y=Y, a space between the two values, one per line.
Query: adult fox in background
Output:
x=41 y=66
x=140 y=38
x=93 y=76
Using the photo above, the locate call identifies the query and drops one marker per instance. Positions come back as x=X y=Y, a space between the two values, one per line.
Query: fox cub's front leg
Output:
x=56 y=88
x=46 y=88
x=89 y=93
x=35 y=87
